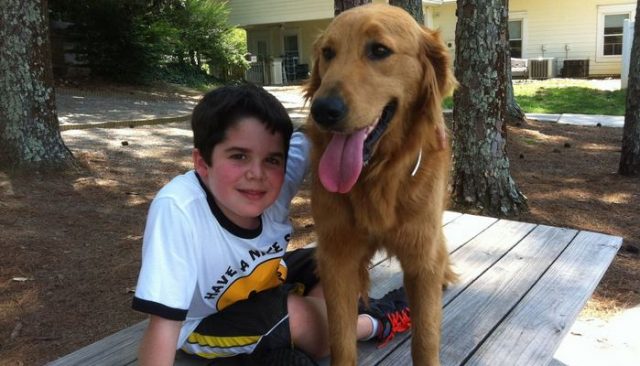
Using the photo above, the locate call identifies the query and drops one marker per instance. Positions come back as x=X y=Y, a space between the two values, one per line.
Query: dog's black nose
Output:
x=328 y=111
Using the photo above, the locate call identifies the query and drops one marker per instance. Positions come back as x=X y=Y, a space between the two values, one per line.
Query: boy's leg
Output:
x=309 y=328
x=258 y=323
x=308 y=315
x=308 y=325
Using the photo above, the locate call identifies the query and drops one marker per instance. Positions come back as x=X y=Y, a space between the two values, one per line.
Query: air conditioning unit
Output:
x=542 y=68
x=575 y=68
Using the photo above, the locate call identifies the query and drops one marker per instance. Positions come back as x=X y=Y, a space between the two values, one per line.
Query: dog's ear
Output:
x=437 y=64
x=312 y=84
x=437 y=82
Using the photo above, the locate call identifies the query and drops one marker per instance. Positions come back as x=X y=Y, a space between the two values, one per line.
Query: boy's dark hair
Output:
x=221 y=108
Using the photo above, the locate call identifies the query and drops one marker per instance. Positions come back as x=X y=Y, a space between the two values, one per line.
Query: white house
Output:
x=561 y=34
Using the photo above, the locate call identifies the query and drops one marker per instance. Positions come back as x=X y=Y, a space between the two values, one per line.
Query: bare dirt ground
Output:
x=70 y=242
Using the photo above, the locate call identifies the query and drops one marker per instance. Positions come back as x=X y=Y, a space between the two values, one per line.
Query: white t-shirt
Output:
x=196 y=262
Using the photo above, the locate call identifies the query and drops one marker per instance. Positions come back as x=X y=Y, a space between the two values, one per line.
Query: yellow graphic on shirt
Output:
x=266 y=275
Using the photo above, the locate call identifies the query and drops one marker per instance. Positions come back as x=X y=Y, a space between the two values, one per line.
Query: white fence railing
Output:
x=627 y=42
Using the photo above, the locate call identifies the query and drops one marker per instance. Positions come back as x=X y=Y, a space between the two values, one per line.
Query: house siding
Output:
x=271 y=20
x=307 y=33
x=552 y=24
x=253 y=12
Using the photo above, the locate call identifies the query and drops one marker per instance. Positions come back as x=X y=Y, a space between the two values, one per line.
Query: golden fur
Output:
x=387 y=207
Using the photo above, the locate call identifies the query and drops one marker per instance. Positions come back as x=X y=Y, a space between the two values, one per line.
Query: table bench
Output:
x=521 y=288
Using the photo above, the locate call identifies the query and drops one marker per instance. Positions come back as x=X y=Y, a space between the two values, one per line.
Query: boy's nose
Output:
x=255 y=171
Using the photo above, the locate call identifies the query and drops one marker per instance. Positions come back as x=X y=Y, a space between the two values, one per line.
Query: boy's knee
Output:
x=307 y=324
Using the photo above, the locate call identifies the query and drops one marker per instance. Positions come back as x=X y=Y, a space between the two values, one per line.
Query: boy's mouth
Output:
x=252 y=194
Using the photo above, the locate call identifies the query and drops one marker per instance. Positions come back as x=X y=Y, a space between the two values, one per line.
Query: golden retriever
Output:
x=381 y=160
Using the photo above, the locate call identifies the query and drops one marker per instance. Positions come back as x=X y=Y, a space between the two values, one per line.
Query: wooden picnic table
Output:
x=521 y=288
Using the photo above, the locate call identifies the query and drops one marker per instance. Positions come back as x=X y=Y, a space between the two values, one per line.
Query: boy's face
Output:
x=246 y=172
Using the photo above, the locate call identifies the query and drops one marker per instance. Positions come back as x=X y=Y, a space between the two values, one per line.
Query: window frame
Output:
x=520 y=16
x=603 y=11
x=292 y=32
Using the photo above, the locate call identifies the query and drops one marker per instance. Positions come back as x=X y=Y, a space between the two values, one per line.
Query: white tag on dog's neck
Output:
x=415 y=169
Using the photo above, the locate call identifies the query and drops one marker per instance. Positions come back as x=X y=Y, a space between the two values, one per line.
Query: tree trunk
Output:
x=630 y=158
x=482 y=178
x=413 y=7
x=29 y=131
x=341 y=5
x=514 y=112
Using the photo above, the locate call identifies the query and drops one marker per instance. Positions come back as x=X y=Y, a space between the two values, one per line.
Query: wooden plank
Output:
x=470 y=262
x=449 y=216
x=120 y=348
x=471 y=316
x=389 y=275
x=464 y=228
x=531 y=334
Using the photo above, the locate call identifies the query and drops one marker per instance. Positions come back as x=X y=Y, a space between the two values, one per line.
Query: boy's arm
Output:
x=297 y=166
x=158 y=346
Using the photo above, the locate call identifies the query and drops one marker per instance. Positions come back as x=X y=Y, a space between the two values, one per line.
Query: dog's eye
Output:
x=328 y=53
x=378 y=51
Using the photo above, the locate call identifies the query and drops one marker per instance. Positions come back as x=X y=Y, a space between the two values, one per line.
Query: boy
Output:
x=215 y=277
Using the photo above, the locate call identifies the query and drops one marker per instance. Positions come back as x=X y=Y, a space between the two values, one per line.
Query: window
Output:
x=613 y=33
x=515 y=38
x=262 y=52
x=291 y=46
x=518 y=34
x=291 y=56
x=610 y=21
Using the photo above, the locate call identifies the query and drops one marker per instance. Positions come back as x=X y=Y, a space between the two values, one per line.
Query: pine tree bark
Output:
x=341 y=5
x=482 y=178
x=413 y=7
x=29 y=130
x=630 y=157
x=514 y=112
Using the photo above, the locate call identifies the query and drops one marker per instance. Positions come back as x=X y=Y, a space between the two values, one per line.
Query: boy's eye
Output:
x=274 y=161
x=238 y=156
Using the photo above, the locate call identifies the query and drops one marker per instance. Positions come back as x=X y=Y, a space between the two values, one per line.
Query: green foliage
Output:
x=565 y=96
x=141 y=40
x=183 y=74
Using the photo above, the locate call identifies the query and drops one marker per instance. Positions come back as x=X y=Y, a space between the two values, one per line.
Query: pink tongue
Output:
x=341 y=162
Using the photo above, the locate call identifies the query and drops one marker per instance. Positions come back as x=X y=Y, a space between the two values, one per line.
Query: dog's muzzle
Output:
x=328 y=111
x=346 y=152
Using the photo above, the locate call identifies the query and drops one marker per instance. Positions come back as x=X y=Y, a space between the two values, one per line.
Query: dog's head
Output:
x=377 y=84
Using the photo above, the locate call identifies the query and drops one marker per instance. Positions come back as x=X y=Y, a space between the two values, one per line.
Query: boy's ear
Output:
x=199 y=164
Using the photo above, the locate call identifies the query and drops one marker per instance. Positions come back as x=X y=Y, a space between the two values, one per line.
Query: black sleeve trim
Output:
x=154 y=308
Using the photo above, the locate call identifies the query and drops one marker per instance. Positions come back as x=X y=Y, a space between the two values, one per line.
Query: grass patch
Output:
x=565 y=96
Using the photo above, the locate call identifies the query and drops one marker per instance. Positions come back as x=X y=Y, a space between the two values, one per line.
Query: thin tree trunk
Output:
x=29 y=130
x=413 y=7
x=341 y=5
x=514 y=112
x=630 y=157
x=482 y=178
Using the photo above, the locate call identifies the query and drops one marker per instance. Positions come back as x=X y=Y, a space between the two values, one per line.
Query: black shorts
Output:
x=261 y=322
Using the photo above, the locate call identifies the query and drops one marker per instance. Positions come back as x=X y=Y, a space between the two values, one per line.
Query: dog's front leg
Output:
x=340 y=276
x=423 y=283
